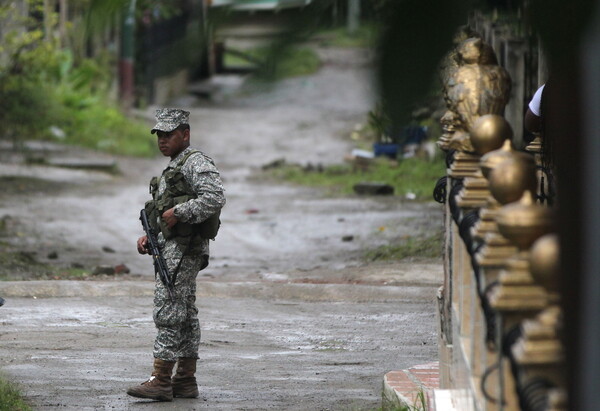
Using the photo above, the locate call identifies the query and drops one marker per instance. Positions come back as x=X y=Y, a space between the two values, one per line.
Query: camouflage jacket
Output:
x=203 y=178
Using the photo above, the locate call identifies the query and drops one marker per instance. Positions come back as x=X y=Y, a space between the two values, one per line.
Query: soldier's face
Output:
x=172 y=143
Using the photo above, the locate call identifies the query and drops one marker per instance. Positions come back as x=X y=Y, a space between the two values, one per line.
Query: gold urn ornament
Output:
x=517 y=294
x=490 y=160
x=488 y=133
x=524 y=221
x=508 y=184
x=510 y=173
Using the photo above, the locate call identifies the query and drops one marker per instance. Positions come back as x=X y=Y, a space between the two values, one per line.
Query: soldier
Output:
x=184 y=210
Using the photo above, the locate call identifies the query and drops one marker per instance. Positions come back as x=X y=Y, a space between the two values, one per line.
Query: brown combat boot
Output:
x=158 y=387
x=184 y=381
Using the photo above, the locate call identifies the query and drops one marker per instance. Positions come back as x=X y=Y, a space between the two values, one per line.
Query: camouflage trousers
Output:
x=177 y=321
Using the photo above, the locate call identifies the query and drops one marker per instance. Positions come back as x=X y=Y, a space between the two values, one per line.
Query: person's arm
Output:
x=205 y=182
x=533 y=116
x=533 y=123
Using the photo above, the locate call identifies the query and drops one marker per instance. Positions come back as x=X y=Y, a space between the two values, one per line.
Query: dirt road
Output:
x=292 y=316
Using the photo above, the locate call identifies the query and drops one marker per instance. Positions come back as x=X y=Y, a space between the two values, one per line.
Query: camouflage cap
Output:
x=168 y=119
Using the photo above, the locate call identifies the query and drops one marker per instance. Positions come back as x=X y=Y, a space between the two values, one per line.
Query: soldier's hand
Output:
x=142 y=244
x=169 y=217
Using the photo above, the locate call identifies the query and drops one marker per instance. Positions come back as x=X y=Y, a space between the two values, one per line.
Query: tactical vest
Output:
x=178 y=191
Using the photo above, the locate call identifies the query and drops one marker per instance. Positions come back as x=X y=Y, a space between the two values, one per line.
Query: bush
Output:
x=10 y=398
x=26 y=107
x=29 y=107
x=42 y=87
x=90 y=121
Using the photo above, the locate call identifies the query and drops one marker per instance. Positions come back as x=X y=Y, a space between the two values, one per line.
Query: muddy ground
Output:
x=293 y=316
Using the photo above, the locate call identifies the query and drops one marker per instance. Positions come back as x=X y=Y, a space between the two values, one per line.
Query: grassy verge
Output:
x=412 y=246
x=420 y=404
x=54 y=98
x=103 y=127
x=93 y=121
x=10 y=397
x=80 y=118
x=23 y=265
x=276 y=65
x=412 y=177
x=17 y=263
x=365 y=36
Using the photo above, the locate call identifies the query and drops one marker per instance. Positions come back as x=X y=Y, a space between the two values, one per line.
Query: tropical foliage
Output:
x=40 y=80
x=50 y=92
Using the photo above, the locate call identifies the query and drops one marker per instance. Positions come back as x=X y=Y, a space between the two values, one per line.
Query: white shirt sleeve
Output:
x=534 y=104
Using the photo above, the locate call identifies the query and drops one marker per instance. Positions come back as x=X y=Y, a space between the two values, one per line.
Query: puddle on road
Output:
x=259 y=356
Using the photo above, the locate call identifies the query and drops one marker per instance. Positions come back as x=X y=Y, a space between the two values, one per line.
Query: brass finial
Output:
x=545 y=261
x=524 y=221
x=490 y=160
x=512 y=177
x=489 y=132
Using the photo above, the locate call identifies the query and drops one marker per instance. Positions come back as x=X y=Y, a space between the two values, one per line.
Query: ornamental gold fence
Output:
x=499 y=306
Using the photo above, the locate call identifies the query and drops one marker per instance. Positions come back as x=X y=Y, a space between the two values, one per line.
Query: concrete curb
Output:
x=259 y=290
x=398 y=391
x=402 y=388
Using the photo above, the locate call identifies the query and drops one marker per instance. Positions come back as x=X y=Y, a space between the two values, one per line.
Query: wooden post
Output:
x=126 y=69
x=63 y=19
x=47 y=19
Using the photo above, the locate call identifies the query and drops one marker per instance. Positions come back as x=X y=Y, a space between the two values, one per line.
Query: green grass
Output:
x=365 y=36
x=58 y=101
x=409 y=176
x=279 y=64
x=418 y=246
x=11 y=398
x=97 y=124
x=21 y=265
x=71 y=273
x=420 y=404
x=231 y=60
x=82 y=119
x=330 y=345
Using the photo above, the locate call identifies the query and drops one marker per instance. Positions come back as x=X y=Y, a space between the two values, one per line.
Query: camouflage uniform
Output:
x=177 y=321
x=184 y=210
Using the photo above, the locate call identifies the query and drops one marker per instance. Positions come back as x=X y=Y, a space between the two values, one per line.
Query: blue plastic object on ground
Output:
x=385 y=149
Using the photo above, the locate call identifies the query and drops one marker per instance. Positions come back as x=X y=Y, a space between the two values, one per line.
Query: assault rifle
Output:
x=160 y=265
